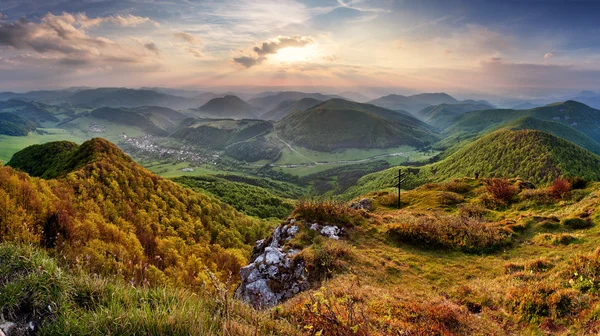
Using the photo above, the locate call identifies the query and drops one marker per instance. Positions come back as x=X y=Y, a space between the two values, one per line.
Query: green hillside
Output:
x=532 y=155
x=444 y=115
x=413 y=103
x=338 y=124
x=227 y=107
x=289 y=106
x=29 y=110
x=12 y=124
x=571 y=113
x=129 y=118
x=220 y=133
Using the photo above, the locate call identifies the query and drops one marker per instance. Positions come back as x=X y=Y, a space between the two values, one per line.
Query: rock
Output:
x=8 y=329
x=331 y=231
x=274 y=275
x=366 y=204
x=522 y=184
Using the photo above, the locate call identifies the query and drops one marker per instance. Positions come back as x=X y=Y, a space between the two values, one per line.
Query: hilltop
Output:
x=338 y=123
x=289 y=106
x=227 y=107
x=33 y=111
x=532 y=155
x=129 y=118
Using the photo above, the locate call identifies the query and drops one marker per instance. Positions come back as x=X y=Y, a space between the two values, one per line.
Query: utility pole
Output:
x=401 y=178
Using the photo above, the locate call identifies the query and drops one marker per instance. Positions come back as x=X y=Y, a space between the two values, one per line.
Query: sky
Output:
x=526 y=48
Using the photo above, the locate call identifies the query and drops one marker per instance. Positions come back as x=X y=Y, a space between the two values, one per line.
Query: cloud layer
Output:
x=272 y=46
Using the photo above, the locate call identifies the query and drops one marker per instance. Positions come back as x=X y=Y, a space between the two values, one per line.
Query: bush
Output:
x=329 y=212
x=541 y=300
x=471 y=211
x=578 y=183
x=325 y=257
x=584 y=272
x=576 y=223
x=449 y=198
x=457 y=187
x=537 y=196
x=558 y=239
x=450 y=232
x=501 y=190
x=560 y=188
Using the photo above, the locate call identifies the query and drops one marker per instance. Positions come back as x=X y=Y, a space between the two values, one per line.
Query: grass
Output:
x=11 y=145
x=35 y=288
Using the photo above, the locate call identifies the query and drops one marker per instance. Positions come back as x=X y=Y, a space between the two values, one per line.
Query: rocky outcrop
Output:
x=274 y=275
x=363 y=204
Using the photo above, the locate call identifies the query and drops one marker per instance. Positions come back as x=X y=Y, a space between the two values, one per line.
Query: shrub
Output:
x=537 y=196
x=558 y=239
x=578 y=183
x=324 y=258
x=457 y=187
x=536 y=301
x=560 y=188
x=388 y=199
x=449 y=198
x=501 y=190
x=576 y=223
x=471 y=211
x=450 y=232
x=584 y=272
x=329 y=212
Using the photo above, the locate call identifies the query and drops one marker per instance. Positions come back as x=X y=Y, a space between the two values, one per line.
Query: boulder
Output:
x=274 y=276
x=8 y=329
x=363 y=204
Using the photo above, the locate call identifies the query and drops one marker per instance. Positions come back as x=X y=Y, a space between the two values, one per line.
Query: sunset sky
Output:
x=527 y=47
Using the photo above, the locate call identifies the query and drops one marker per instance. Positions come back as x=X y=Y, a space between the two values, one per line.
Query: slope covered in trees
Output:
x=289 y=106
x=337 y=124
x=227 y=107
x=108 y=215
x=444 y=115
x=11 y=124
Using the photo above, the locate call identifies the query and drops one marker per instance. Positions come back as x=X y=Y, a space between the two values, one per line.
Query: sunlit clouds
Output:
x=486 y=47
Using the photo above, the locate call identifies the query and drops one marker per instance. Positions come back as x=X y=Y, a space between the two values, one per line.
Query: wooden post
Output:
x=399 y=185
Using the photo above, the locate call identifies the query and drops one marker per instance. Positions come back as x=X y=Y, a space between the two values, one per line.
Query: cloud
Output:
x=548 y=55
x=272 y=46
x=2 y=17
x=248 y=61
x=187 y=37
x=152 y=47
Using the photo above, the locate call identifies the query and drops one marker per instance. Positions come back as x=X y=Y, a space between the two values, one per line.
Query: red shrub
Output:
x=560 y=188
x=501 y=190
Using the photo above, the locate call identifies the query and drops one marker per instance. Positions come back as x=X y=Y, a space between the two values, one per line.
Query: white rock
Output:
x=331 y=231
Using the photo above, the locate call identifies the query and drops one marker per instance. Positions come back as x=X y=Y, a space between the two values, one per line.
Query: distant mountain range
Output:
x=270 y=102
x=418 y=102
x=226 y=107
x=288 y=106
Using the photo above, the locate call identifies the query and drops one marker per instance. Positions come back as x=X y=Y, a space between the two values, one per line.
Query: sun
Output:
x=296 y=54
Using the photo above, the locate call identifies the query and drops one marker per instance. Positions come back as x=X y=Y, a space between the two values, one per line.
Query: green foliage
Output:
x=344 y=176
x=110 y=216
x=576 y=223
x=337 y=124
x=253 y=150
x=11 y=124
x=467 y=234
x=249 y=199
x=34 y=288
x=584 y=272
x=129 y=118
x=45 y=160
x=219 y=134
x=444 y=115
x=541 y=300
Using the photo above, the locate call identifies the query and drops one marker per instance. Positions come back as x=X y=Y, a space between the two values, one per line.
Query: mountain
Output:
x=33 y=111
x=123 y=97
x=144 y=121
x=226 y=107
x=413 y=103
x=162 y=117
x=174 y=92
x=289 y=106
x=270 y=102
x=589 y=98
x=123 y=220
x=338 y=123
x=218 y=134
x=354 y=96
x=571 y=113
x=444 y=115
x=12 y=124
x=524 y=106
x=557 y=129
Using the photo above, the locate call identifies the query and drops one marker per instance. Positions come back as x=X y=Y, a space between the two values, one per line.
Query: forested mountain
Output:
x=12 y=124
x=338 y=123
x=289 y=106
x=108 y=215
x=226 y=107
x=444 y=115
x=270 y=102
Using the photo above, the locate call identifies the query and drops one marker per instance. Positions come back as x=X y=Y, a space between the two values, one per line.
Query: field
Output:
x=11 y=144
